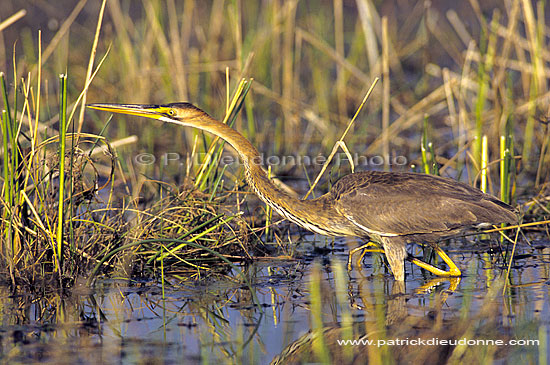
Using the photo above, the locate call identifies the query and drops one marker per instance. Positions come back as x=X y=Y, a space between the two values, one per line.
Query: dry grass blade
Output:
x=340 y=142
x=12 y=19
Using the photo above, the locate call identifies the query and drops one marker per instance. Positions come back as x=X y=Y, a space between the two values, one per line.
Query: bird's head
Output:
x=186 y=115
x=179 y=113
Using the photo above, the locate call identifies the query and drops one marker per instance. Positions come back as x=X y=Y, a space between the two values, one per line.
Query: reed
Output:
x=52 y=227
x=319 y=345
x=62 y=143
x=75 y=203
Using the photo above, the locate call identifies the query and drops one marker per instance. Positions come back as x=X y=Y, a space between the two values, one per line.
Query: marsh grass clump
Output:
x=31 y=217
x=187 y=230
x=63 y=217
x=51 y=227
x=188 y=233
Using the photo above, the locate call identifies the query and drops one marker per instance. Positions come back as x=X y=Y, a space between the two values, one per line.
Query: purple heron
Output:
x=390 y=208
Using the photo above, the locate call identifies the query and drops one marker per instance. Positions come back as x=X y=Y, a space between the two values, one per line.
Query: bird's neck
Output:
x=315 y=215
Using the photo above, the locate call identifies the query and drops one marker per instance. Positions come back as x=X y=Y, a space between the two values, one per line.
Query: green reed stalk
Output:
x=430 y=166
x=5 y=95
x=484 y=165
x=8 y=140
x=543 y=345
x=6 y=166
x=511 y=165
x=424 y=145
x=10 y=122
x=9 y=173
x=341 y=291
x=480 y=104
x=433 y=162
x=212 y=158
x=268 y=210
x=504 y=170
x=319 y=344
x=6 y=212
x=162 y=283
x=212 y=163
x=62 y=143
x=218 y=184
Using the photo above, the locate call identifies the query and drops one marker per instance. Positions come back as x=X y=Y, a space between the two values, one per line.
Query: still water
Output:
x=215 y=320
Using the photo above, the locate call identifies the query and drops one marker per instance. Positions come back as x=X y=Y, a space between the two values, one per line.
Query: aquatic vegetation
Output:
x=86 y=198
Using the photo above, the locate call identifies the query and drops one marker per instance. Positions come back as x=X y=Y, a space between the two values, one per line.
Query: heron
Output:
x=391 y=208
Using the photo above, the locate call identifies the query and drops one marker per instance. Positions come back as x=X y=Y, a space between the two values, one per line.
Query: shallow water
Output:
x=215 y=320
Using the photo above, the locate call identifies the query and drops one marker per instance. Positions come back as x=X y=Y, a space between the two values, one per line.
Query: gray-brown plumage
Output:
x=398 y=208
x=391 y=208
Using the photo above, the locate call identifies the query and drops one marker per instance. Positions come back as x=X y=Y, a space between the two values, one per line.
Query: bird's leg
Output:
x=365 y=250
x=395 y=249
x=453 y=269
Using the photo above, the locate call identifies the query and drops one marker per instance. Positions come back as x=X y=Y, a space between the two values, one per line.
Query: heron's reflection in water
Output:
x=399 y=333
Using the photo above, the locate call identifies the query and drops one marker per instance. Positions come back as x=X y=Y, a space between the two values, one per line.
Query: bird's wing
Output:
x=396 y=204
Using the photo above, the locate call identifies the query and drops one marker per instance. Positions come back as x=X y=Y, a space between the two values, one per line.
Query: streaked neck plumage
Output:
x=317 y=215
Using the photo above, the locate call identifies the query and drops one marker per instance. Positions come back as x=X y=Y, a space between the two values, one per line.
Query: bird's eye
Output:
x=171 y=112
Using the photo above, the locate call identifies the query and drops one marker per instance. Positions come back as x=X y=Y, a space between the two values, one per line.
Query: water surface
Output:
x=121 y=321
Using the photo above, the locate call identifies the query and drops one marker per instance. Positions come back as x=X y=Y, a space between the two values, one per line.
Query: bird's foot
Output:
x=365 y=250
x=453 y=271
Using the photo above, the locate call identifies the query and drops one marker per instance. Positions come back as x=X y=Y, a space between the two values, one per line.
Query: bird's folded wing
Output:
x=397 y=204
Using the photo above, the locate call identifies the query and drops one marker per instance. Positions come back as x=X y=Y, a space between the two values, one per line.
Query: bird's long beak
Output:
x=142 y=110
